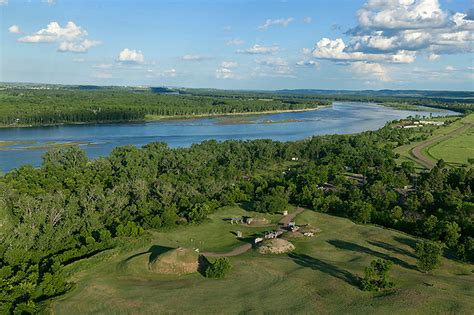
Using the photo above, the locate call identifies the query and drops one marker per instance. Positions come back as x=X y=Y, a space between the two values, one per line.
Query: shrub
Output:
x=376 y=276
x=219 y=268
x=429 y=255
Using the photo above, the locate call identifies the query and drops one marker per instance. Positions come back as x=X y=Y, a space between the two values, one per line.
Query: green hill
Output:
x=320 y=276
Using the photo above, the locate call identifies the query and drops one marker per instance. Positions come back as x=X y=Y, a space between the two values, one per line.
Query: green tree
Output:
x=428 y=254
x=219 y=268
x=376 y=276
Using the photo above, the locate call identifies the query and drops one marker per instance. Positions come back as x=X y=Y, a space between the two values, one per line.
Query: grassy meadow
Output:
x=320 y=277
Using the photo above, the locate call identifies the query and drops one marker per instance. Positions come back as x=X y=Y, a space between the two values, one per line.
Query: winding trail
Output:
x=417 y=151
x=246 y=247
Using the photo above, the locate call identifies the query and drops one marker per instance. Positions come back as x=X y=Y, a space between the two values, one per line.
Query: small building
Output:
x=285 y=213
x=239 y=234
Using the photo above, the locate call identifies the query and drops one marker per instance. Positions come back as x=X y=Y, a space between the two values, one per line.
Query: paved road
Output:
x=417 y=151
x=246 y=247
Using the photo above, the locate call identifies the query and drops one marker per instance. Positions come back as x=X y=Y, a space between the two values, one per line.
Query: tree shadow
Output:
x=203 y=263
x=248 y=205
x=392 y=248
x=361 y=249
x=316 y=264
x=406 y=241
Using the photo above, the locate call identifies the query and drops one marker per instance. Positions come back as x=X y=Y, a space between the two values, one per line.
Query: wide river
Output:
x=99 y=139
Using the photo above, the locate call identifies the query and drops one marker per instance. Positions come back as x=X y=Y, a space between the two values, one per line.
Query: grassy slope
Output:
x=405 y=150
x=457 y=149
x=320 y=278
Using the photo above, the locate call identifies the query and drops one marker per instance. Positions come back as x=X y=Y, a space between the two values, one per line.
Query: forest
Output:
x=26 y=106
x=72 y=207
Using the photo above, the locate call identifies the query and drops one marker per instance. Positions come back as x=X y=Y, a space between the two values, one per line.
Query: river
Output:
x=99 y=139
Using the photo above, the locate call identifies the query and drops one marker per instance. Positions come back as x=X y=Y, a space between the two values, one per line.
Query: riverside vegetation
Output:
x=73 y=208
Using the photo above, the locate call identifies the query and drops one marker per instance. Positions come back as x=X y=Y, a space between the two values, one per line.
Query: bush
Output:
x=219 y=268
x=376 y=276
x=429 y=255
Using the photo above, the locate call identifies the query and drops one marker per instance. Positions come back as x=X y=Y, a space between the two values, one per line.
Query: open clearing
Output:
x=454 y=144
x=320 y=276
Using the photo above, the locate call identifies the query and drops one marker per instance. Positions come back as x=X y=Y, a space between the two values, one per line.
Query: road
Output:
x=417 y=151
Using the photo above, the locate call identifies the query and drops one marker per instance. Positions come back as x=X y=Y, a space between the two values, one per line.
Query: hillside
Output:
x=320 y=276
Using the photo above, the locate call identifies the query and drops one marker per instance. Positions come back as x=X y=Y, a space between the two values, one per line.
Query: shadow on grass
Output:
x=203 y=263
x=316 y=264
x=361 y=249
x=154 y=252
x=406 y=241
x=392 y=248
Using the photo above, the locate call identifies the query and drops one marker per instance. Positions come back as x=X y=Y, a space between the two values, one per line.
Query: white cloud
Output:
x=337 y=50
x=55 y=33
x=397 y=31
x=50 y=2
x=225 y=70
x=79 y=60
x=131 y=56
x=308 y=63
x=450 y=68
x=273 y=62
x=370 y=69
x=229 y=64
x=190 y=57
x=433 y=57
x=3 y=2
x=71 y=38
x=306 y=51
x=78 y=47
x=258 y=49
x=276 y=67
x=308 y=20
x=234 y=41
x=280 y=22
x=14 y=29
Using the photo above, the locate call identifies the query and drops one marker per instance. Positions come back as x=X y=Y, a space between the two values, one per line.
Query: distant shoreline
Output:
x=152 y=118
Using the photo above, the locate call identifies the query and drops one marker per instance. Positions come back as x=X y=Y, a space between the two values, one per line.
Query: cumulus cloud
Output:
x=225 y=71
x=375 y=70
x=280 y=22
x=308 y=20
x=70 y=38
x=397 y=31
x=234 y=41
x=273 y=62
x=78 y=47
x=131 y=56
x=3 y=2
x=14 y=29
x=258 y=49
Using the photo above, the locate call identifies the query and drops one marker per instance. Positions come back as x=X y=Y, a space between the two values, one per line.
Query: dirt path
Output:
x=417 y=151
x=236 y=251
x=246 y=247
x=287 y=219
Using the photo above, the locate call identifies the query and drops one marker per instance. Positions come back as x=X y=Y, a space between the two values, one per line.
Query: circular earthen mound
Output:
x=275 y=246
x=176 y=261
x=292 y=235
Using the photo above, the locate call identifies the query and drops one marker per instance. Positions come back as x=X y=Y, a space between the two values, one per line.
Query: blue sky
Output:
x=259 y=44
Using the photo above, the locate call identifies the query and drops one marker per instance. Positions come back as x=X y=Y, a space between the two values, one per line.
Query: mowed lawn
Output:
x=320 y=277
x=457 y=149
x=454 y=150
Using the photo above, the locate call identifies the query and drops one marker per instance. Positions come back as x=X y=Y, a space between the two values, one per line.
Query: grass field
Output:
x=320 y=277
x=455 y=149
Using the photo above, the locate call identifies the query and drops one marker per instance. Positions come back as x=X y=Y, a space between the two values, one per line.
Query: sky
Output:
x=238 y=44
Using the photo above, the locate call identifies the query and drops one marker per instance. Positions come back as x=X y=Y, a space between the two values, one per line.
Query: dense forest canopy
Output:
x=22 y=105
x=72 y=207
